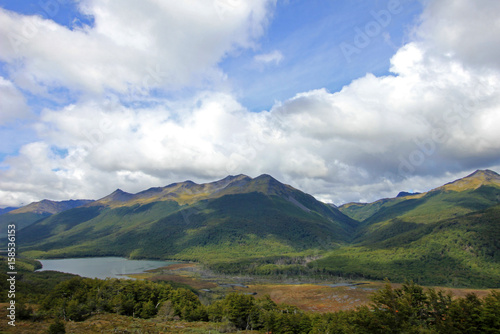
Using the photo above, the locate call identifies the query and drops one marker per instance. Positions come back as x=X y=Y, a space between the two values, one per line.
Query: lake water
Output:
x=102 y=267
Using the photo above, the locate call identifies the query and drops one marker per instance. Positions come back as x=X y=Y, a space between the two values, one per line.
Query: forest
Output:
x=410 y=308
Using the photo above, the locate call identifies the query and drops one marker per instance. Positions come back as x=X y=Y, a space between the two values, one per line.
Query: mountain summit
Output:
x=259 y=225
x=35 y=211
x=188 y=192
x=236 y=215
x=473 y=181
x=50 y=207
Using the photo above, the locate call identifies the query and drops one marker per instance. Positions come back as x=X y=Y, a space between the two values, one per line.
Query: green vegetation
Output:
x=408 y=309
x=57 y=327
x=21 y=220
x=448 y=236
x=30 y=285
x=458 y=252
x=240 y=225
x=78 y=298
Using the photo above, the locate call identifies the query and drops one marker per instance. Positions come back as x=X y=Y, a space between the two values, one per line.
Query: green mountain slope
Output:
x=237 y=217
x=447 y=236
x=7 y=209
x=387 y=217
x=33 y=212
x=460 y=252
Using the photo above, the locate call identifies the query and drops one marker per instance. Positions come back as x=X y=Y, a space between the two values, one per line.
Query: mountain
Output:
x=35 y=211
x=457 y=252
x=405 y=194
x=7 y=209
x=447 y=236
x=236 y=217
x=475 y=180
x=241 y=225
x=50 y=207
x=477 y=191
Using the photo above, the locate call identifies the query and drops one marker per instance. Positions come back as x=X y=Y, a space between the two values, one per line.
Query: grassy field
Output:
x=318 y=297
x=112 y=323
x=321 y=297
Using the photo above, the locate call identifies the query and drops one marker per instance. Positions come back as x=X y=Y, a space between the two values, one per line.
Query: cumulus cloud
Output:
x=12 y=102
x=463 y=30
x=267 y=58
x=430 y=121
x=131 y=46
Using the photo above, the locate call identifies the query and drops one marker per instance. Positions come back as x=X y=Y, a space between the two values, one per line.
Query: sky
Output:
x=348 y=100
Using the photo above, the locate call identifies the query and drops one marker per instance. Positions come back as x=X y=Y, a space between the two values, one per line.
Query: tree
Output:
x=466 y=314
x=148 y=310
x=490 y=318
x=57 y=327
x=238 y=309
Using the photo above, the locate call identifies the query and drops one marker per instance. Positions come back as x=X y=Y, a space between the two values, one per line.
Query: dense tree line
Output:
x=78 y=298
x=409 y=309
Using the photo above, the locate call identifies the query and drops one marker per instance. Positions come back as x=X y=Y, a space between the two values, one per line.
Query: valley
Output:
x=239 y=225
x=257 y=242
x=308 y=294
x=288 y=305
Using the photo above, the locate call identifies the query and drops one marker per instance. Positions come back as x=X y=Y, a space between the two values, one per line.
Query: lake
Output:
x=102 y=267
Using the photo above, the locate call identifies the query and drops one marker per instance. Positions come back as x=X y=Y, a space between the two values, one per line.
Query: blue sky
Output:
x=64 y=12
x=308 y=34
x=342 y=99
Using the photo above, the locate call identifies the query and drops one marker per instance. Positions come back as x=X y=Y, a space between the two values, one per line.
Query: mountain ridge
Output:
x=8 y=209
x=253 y=225
x=29 y=214
x=475 y=180
x=52 y=207
x=188 y=192
x=471 y=182
x=186 y=219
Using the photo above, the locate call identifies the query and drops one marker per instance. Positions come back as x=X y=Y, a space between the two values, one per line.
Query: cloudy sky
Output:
x=348 y=100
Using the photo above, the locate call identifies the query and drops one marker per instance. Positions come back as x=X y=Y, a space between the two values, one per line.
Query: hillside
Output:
x=236 y=217
x=459 y=252
x=7 y=209
x=451 y=231
x=456 y=194
x=35 y=211
x=447 y=236
x=50 y=207
x=384 y=218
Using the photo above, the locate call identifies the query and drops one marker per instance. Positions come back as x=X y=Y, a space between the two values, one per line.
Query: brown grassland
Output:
x=318 y=297
x=112 y=323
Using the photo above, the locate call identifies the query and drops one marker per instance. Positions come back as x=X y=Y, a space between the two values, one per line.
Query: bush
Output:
x=57 y=327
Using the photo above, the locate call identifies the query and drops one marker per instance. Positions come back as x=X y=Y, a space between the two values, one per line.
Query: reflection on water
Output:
x=102 y=267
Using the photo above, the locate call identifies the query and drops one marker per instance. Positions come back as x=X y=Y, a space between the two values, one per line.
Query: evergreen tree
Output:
x=57 y=327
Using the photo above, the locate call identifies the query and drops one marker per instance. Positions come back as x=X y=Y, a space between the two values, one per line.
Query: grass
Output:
x=112 y=323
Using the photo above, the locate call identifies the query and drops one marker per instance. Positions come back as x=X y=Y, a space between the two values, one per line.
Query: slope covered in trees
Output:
x=239 y=225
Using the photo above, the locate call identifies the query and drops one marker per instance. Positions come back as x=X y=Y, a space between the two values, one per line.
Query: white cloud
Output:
x=12 y=102
x=434 y=119
x=132 y=46
x=266 y=58
x=463 y=30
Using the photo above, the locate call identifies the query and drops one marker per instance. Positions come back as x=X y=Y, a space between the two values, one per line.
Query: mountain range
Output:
x=33 y=212
x=447 y=236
